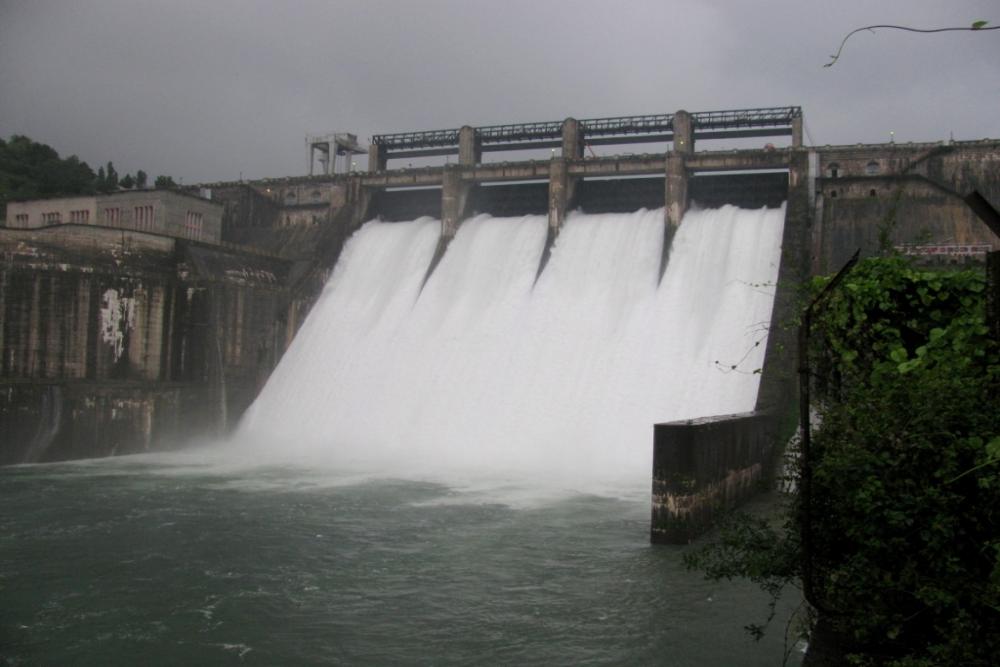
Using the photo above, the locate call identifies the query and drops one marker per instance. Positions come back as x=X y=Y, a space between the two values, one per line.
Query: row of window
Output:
x=81 y=216
x=142 y=217
x=193 y=225
x=871 y=193
x=113 y=216
x=871 y=169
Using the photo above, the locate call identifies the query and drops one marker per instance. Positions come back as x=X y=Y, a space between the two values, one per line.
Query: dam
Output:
x=120 y=337
x=439 y=388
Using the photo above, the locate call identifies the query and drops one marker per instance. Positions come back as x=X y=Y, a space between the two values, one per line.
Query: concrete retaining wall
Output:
x=116 y=341
x=703 y=466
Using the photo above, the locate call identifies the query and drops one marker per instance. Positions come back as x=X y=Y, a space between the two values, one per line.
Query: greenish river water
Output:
x=176 y=560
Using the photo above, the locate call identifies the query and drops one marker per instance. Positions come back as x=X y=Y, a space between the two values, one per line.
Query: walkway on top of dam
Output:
x=737 y=123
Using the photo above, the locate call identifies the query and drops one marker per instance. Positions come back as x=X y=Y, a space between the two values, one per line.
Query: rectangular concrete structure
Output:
x=167 y=212
x=704 y=466
x=676 y=196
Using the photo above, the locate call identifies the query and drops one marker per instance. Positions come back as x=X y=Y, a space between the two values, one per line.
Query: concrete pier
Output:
x=572 y=139
x=704 y=466
x=378 y=158
x=562 y=188
x=470 y=147
x=683 y=132
x=454 y=201
x=676 y=195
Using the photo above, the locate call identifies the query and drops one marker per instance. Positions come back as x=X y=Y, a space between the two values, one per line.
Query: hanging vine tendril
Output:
x=977 y=26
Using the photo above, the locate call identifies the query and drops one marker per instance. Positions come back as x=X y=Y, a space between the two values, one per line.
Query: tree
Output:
x=111 y=177
x=903 y=564
x=127 y=182
x=30 y=170
x=164 y=182
x=140 y=179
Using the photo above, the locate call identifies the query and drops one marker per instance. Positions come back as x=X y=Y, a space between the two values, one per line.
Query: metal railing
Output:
x=620 y=126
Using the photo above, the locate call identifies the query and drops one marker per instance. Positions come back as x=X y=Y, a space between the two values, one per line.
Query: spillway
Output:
x=484 y=369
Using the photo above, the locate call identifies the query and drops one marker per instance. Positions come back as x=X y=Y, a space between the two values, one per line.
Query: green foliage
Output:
x=164 y=182
x=905 y=511
x=889 y=311
x=111 y=178
x=29 y=170
x=906 y=494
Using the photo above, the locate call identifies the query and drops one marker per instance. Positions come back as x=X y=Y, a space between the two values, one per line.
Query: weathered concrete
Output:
x=676 y=194
x=776 y=394
x=572 y=139
x=908 y=195
x=562 y=191
x=797 y=132
x=470 y=148
x=377 y=158
x=703 y=466
x=109 y=337
x=683 y=132
x=454 y=201
x=169 y=212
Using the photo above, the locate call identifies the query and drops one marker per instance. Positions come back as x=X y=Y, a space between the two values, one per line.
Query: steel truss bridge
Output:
x=766 y=122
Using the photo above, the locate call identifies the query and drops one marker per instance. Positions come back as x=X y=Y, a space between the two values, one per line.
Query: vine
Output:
x=905 y=516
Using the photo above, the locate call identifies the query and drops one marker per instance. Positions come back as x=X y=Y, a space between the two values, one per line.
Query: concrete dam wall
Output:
x=122 y=340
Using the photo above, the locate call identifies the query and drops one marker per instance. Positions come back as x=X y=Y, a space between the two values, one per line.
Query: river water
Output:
x=189 y=559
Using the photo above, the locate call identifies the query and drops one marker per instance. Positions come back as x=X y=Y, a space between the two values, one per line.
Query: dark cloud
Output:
x=206 y=90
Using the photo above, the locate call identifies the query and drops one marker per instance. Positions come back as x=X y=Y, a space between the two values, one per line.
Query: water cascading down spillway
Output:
x=484 y=369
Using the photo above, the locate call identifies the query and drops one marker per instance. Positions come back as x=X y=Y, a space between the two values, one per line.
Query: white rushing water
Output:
x=485 y=370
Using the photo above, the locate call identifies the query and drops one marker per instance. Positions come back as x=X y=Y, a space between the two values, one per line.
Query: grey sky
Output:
x=204 y=90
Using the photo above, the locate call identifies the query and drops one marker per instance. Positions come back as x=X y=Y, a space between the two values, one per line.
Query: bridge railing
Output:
x=655 y=126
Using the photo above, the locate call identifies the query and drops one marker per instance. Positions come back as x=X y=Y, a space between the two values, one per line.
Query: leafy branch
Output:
x=977 y=26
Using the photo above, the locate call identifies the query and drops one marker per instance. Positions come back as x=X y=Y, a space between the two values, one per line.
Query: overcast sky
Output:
x=206 y=89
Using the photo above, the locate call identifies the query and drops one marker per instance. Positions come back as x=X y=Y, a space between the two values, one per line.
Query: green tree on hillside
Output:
x=140 y=179
x=30 y=170
x=164 y=182
x=111 y=177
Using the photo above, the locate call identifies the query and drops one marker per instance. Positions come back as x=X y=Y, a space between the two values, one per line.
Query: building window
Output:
x=193 y=225
x=872 y=168
x=21 y=219
x=51 y=218
x=143 y=218
x=833 y=194
x=833 y=170
x=872 y=193
x=81 y=217
x=316 y=194
x=113 y=217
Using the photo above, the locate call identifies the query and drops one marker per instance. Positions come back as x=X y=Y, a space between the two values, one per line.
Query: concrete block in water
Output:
x=703 y=466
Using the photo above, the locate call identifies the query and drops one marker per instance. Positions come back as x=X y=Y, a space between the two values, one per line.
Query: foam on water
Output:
x=486 y=370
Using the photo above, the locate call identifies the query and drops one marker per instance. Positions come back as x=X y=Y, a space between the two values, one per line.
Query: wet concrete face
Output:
x=119 y=342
